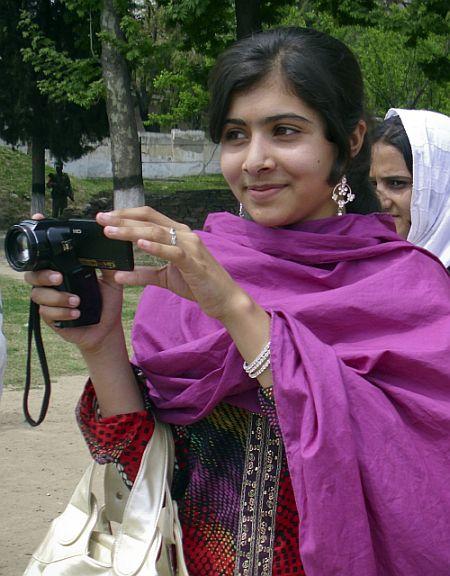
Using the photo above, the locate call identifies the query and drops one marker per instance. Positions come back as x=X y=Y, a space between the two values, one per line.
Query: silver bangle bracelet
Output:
x=259 y=364
x=260 y=370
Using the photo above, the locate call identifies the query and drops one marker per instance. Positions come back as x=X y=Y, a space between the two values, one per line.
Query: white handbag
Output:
x=147 y=541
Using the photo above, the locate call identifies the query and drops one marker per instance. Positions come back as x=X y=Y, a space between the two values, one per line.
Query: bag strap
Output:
x=139 y=534
x=170 y=526
x=181 y=565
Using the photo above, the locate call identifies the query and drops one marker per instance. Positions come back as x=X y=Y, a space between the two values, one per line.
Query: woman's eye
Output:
x=398 y=184
x=285 y=130
x=231 y=135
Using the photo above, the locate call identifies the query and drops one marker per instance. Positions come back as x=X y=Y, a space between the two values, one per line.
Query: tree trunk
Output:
x=37 y=175
x=248 y=17
x=125 y=146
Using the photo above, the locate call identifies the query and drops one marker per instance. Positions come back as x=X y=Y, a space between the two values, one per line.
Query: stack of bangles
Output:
x=259 y=364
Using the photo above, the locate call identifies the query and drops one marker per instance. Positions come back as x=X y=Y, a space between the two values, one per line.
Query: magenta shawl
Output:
x=360 y=347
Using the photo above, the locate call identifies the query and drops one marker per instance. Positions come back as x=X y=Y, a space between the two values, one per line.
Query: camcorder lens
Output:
x=21 y=248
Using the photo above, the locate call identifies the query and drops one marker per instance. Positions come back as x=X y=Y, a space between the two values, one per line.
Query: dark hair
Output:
x=322 y=72
x=393 y=133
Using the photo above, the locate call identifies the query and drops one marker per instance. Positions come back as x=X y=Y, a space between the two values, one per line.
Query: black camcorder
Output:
x=74 y=248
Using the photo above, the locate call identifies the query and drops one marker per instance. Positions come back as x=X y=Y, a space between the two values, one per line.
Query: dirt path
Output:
x=40 y=468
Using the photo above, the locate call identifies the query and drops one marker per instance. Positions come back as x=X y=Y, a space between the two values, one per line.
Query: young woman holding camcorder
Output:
x=300 y=353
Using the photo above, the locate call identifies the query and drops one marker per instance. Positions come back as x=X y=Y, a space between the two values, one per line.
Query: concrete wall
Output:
x=180 y=153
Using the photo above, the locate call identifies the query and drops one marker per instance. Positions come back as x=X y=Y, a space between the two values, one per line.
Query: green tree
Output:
x=26 y=113
x=394 y=73
x=125 y=148
x=403 y=47
x=99 y=74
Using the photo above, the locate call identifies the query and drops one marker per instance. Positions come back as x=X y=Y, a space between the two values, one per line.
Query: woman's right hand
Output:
x=102 y=345
x=55 y=305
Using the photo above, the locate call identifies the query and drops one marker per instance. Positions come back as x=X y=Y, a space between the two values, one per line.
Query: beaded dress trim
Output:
x=263 y=459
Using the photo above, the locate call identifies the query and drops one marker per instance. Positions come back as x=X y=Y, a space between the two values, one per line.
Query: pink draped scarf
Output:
x=360 y=342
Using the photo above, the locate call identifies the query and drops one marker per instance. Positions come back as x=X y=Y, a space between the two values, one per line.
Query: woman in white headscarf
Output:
x=411 y=171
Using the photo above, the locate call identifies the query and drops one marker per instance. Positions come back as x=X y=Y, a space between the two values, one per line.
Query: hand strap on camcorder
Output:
x=34 y=327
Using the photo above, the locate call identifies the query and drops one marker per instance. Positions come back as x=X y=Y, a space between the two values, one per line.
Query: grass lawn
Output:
x=62 y=358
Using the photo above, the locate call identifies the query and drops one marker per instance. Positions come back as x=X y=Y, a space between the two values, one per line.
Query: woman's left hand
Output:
x=192 y=272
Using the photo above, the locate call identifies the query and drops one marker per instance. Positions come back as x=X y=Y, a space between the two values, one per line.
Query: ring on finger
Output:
x=173 y=237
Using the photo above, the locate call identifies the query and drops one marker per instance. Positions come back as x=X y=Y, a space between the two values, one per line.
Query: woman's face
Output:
x=275 y=157
x=393 y=182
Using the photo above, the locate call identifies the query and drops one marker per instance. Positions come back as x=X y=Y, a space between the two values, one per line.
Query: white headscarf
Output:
x=429 y=136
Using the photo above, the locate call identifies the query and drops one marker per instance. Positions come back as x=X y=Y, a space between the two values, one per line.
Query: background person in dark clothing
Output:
x=61 y=188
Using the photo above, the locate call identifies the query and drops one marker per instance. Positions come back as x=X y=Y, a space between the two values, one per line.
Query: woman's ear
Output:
x=357 y=138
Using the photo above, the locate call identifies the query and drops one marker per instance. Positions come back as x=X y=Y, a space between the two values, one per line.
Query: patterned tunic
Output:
x=231 y=481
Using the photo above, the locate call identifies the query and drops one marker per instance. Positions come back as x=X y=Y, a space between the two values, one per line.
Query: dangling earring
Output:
x=342 y=195
x=243 y=212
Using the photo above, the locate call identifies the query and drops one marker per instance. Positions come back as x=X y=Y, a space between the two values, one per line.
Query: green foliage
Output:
x=184 y=100
x=207 y=26
x=393 y=71
x=62 y=78
x=140 y=44
x=37 y=38
x=403 y=48
x=210 y=25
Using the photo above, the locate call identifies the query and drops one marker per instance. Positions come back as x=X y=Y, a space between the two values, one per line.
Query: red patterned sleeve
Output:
x=120 y=439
